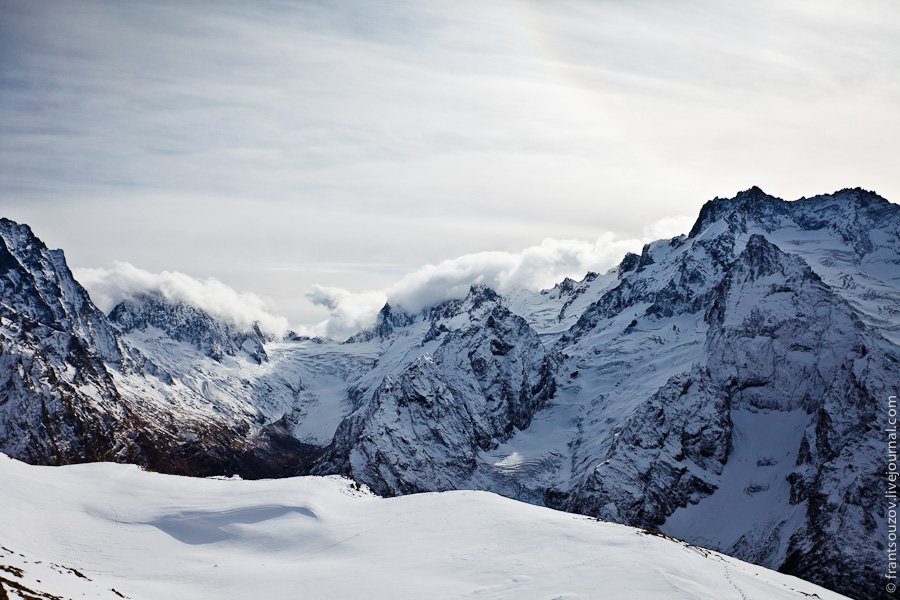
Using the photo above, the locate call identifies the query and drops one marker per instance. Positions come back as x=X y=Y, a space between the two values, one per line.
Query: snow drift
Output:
x=108 y=527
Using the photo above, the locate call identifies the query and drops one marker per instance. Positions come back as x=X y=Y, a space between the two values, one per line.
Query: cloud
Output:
x=349 y=312
x=305 y=133
x=536 y=267
x=108 y=287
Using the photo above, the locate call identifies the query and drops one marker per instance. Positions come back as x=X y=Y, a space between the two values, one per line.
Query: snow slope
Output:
x=147 y=535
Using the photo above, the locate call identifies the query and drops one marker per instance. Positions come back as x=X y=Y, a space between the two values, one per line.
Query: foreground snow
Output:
x=86 y=530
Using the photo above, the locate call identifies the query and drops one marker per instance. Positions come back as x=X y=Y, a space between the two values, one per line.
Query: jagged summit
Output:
x=479 y=299
x=752 y=193
x=12 y=231
x=754 y=208
x=752 y=203
x=36 y=284
x=189 y=324
x=388 y=319
x=855 y=194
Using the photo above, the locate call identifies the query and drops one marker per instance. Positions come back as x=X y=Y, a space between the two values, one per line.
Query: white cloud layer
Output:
x=108 y=287
x=536 y=267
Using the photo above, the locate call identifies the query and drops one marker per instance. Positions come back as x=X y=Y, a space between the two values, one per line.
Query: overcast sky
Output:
x=279 y=145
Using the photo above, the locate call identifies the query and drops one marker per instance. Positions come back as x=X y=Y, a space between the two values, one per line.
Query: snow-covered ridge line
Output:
x=351 y=312
x=156 y=536
x=123 y=282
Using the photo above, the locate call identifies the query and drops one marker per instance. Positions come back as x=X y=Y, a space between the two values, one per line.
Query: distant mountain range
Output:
x=728 y=387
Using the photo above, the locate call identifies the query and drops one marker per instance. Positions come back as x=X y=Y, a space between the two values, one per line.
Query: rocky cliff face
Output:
x=57 y=398
x=188 y=324
x=727 y=387
x=477 y=373
x=73 y=388
x=780 y=345
x=762 y=442
x=37 y=285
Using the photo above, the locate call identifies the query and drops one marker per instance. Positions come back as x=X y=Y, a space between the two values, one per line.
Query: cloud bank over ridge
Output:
x=109 y=286
x=535 y=267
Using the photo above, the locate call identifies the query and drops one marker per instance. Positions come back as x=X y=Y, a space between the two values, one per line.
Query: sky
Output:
x=315 y=158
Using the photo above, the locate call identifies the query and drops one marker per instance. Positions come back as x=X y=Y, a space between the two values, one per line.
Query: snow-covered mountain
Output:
x=112 y=531
x=77 y=385
x=726 y=387
x=185 y=323
x=457 y=379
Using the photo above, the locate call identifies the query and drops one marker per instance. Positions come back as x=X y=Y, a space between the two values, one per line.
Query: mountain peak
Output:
x=387 y=320
x=480 y=293
x=38 y=283
x=752 y=204
x=8 y=226
x=390 y=318
x=752 y=193
x=189 y=324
